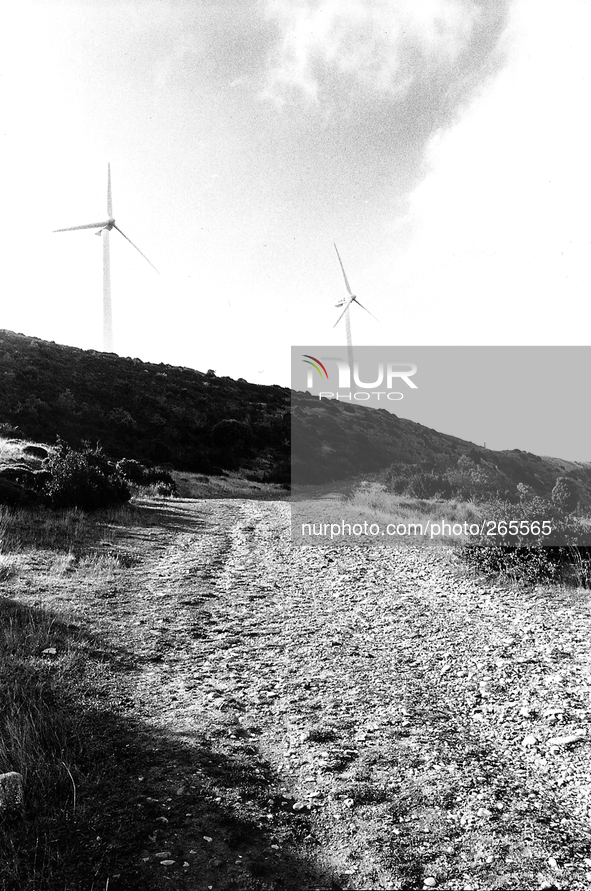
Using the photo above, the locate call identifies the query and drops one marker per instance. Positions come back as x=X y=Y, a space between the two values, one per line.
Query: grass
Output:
x=524 y=563
x=47 y=681
x=375 y=502
x=234 y=485
x=25 y=530
x=40 y=739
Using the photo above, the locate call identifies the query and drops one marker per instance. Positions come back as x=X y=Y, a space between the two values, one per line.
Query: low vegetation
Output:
x=526 y=556
x=50 y=729
x=82 y=478
x=192 y=420
x=523 y=551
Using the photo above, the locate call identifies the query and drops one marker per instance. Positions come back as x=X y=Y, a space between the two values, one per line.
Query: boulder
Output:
x=24 y=476
x=10 y=471
x=12 y=493
x=36 y=451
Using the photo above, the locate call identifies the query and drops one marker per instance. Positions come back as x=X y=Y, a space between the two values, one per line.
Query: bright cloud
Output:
x=380 y=44
x=500 y=223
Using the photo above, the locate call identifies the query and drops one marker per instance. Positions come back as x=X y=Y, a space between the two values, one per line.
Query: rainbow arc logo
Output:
x=315 y=363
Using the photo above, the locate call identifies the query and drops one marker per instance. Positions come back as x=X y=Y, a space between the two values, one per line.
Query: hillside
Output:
x=334 y=440
x=197 y=421
x=159 y=413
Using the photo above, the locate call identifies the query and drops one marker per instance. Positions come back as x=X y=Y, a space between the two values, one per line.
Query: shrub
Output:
x=83 y=479
x=566 y=494
x=281 y=474
x=132 y=470
x=232 y=440
x=527 y=556
x=140 y=475
x=9 y=430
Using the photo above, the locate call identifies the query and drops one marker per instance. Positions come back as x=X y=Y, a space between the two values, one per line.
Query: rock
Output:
x=49 y=651
x=11 y=791
x=167 y=862
x=560 y=741
x=529 y=740
x=11 y=493
x=36 y=451
x=162 y=855
x=429 y=882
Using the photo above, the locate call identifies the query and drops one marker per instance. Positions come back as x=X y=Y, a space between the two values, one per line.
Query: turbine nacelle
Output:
x=352 y=298
x=106 y=227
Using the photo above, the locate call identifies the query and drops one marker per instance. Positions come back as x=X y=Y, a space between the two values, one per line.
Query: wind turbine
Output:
x=104 y=230
x=346 y=302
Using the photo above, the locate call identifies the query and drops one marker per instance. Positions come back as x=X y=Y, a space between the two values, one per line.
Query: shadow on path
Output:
x=106 y=792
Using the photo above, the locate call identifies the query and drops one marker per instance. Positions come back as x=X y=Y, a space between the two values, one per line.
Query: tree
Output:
x=232 y=440
x=566 y=494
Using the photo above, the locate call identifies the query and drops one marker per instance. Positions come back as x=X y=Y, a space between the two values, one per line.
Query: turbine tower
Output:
x=104 y=230
x=346 y=312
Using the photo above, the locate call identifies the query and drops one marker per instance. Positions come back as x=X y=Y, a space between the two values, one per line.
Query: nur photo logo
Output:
x=373 y=378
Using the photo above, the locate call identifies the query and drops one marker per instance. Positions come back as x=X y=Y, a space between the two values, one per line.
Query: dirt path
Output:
x=342 y=719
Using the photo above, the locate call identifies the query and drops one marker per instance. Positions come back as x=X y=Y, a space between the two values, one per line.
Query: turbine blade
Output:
x=109 y=200
x=343 y=312
x=343 y=270
x=365 y=308
x=136 y=247
x=85 y=226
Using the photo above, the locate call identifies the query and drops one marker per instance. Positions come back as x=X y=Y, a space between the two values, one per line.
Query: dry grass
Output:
x=39 y=738
x=26 y=530
x=234 y=485
x=9 y=566
x=373 y=501
x=48 y=682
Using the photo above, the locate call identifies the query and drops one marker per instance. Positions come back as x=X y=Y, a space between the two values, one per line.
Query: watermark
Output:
x=423 y=445
x=502 y=531
x=357 y=380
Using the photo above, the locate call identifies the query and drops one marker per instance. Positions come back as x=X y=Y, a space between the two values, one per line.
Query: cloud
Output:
x=378 y=44
x=500 y=221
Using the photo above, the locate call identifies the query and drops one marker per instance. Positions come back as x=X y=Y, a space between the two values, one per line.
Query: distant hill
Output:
x=197 y=421
x=193 y=420
x=333 y=440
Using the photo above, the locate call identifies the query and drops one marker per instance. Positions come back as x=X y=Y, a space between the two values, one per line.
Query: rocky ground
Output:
x=334 y=719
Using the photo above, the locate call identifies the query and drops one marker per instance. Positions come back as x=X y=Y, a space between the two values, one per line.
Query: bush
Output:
x=140 y=475
x=132 y=470
x=526 y=556
x=231 y=435
x=566 y=494
x=84 y=479
x=232 y=441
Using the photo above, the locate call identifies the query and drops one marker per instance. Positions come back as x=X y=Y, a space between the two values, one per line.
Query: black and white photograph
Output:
x=295 y=449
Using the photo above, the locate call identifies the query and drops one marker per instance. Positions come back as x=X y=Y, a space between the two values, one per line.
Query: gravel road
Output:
x=345 y=718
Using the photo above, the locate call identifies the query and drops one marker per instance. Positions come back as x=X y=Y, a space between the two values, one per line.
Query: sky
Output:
x=443 y=145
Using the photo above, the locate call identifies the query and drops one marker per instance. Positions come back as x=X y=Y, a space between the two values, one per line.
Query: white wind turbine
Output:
x=347 y=303
x=104 y=229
